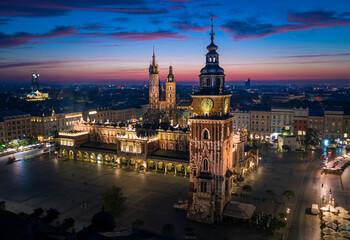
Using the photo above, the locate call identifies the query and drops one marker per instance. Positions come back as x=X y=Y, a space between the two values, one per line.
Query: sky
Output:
x=112 y=40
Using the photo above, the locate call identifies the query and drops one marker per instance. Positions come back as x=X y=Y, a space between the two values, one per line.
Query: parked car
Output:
x=11 y=159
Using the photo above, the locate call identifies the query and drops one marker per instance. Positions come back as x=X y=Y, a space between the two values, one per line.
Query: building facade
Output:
x=241 y=119
x=300 y=122
x=16 y=125
x=46 y=126
x=260 y=123
x=333 y=123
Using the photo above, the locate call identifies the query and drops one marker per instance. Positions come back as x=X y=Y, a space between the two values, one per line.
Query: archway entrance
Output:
x=71 y=155
x=93 y=158
x=64 y=154
x=86 y=157
x=79 y=156
x=107 y=159
x=99 y=159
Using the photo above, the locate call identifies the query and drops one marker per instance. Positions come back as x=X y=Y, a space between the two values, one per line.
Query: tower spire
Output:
x=212 y=30
x=154 y=58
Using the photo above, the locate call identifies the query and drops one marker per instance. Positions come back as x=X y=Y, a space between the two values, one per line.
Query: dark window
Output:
x=206 y=134
x=205 y=165
x=208 y=82
x=203 y=187
x=218 y=82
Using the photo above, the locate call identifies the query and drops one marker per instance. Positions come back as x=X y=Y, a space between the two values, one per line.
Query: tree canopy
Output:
x=114 y=201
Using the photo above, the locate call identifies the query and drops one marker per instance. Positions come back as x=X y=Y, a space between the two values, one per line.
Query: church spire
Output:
x=153 y=67
x=154 y=58
x=212 y=30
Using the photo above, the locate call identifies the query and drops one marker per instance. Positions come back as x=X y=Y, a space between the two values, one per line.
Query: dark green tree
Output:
x=114 y=201
x=247 y=188
x=23 y=142
x=168 y=230
x=311 y=138
x=282 y=215
x=288 y=194
x=270 y=192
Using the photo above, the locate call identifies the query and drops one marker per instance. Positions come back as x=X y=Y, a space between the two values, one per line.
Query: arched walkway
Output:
x=151 y=165
x=123 y=161
x=86 y=157
x=64 y=154
x=99 y=159
x=131 y=163
x=93 y=158
x=107 y=159
x=71 y=155
x=79 y=156
x=170 y=167
x=160 y=166
x=187 y=171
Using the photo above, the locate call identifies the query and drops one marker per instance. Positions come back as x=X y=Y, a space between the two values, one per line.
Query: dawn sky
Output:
x=105 y=40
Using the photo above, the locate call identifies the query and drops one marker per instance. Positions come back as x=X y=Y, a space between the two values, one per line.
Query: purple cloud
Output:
x=44 y=8
x=146 y=36
x=22 y=38
x=317 y=55
x=252 y=28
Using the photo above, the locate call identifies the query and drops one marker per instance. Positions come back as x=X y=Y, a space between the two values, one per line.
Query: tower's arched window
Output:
x=208 y=82
x=218 y=82
x=205 y=134
x=170 y=88
x=205 y=165
x=170 y=95
x=209 y=59
x=214 y=59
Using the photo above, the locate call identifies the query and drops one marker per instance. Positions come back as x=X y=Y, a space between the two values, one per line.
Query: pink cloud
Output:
x=175 y=8
x=252 y=28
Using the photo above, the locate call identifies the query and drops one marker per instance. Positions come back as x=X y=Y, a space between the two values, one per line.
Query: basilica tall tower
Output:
x=211 y=143
x=154 y=84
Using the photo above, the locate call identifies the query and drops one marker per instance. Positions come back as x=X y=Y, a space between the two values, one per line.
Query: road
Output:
x=305 y=226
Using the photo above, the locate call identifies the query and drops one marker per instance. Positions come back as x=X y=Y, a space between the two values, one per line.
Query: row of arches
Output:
x=130 y=163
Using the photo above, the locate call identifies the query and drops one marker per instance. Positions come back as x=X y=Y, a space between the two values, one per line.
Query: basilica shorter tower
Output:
x=211 y=143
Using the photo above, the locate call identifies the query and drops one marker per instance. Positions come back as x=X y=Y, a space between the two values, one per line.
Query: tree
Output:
x=282 y=215
x=311 y=138
x=23 y=142
x=247 y=188
x=114 y=200
x=137 y=223
x=168 y=230
x=288 y=194
x=270 y=192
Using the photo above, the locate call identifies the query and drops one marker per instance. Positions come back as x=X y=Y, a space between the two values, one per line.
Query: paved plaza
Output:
x=74 y=189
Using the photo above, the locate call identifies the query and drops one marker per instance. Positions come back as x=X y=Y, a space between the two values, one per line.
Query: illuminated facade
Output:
x=45 y=126
x=162 y=100
x=15 y=125
x=140 y=147
x=211 y=143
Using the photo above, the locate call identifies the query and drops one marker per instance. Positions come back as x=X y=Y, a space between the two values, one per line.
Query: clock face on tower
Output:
x=226 y=104
x=207 y=104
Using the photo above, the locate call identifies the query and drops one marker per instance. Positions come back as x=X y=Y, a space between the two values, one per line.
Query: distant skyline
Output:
x=105 y=40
